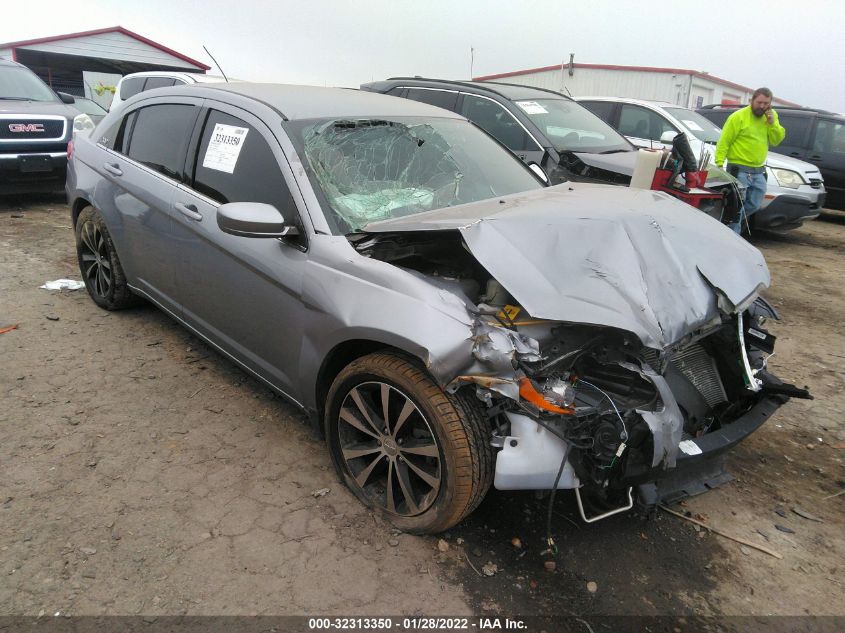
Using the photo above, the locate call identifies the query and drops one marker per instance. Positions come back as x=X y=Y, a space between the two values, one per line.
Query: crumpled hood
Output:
x=637 y=260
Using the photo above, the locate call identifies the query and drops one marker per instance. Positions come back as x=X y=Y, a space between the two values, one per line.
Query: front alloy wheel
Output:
x=406 y=447
x=389 y=448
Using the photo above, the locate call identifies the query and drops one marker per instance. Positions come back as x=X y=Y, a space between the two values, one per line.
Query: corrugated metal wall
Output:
x=113 y=45
x=681 y=89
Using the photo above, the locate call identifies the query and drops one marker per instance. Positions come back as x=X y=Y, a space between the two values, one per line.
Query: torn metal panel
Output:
x=588 y=254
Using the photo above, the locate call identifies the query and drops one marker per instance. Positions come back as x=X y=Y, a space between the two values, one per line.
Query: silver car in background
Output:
x=795 y=189
x=448 y=321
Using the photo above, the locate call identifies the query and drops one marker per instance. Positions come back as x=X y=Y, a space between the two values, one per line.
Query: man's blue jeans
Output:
x=755 y=189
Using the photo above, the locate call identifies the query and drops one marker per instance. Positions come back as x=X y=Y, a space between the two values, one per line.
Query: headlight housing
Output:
x=788 y=178
x=82 y=124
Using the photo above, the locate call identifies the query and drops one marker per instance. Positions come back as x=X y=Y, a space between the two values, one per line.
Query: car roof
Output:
x=9 y=62
x=198 y=77
x=316 y=102
x=648 y=102
x=511 y=92
x=800 y=110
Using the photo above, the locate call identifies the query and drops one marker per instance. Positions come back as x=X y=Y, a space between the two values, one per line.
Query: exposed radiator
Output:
x=700 y=369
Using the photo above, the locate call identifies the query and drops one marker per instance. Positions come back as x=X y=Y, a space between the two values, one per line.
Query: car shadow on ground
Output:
x=23 y=201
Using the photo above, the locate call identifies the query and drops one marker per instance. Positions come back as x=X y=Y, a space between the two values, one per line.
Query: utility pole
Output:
x=471 y=61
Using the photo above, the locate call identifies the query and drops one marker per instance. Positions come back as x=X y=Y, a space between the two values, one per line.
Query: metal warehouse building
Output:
x=91 y=63
x=689 y=88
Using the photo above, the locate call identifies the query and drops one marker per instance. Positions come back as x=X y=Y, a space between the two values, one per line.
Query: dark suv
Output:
x=542 y=127
x=36 y=125
x=816 y=136
x=545 y=129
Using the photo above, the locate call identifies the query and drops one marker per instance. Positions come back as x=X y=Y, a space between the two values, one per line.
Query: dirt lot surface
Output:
x=141 y=473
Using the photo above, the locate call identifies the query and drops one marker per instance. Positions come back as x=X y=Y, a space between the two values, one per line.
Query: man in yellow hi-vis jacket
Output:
x=745 y=142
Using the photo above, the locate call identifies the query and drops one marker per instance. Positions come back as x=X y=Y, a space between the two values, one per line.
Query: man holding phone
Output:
x=745 y=140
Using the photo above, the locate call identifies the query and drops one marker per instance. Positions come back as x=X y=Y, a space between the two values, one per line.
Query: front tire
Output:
x=98 y=262
x=404 y=446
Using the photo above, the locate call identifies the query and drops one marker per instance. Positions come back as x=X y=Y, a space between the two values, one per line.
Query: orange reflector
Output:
x=529 y=393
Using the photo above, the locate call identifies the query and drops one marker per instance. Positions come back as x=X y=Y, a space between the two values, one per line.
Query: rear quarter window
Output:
x=130 y=87
x=602 y=109
x=439 y=98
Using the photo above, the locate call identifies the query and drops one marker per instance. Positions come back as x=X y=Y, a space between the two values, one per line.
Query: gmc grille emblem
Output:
x=26 y=127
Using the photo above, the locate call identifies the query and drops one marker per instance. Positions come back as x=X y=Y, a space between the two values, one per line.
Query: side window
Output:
x=796 y=129
x=158 y=82
x=642 y=123
x=602 y=109
x=253 y=175
x=130 y=87
x=396 y=92
x=439 y=98
x=114 y=136
x=830 y=137
x=159 y=137
x=497 y=122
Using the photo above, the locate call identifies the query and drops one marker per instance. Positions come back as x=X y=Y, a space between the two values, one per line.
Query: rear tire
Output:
x=99 y=264
x=404 y=446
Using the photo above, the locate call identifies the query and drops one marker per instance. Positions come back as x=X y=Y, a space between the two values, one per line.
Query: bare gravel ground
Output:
x=141 y=473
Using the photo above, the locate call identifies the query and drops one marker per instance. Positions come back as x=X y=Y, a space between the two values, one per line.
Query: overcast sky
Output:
x=793 y=47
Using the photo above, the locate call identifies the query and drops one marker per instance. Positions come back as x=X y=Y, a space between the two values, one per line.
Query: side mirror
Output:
x=539 y=171
x=668 y=136
x=66 y=98
x=253 y=219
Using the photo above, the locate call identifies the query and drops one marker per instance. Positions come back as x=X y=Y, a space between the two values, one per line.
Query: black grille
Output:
x=30 y=129
x=815 y=183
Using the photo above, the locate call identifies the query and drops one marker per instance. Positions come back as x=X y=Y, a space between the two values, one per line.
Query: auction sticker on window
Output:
x=224 y=147
x=532 y=107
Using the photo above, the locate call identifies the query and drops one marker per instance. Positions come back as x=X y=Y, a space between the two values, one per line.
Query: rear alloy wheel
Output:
x=406 y=447
x=99 y=264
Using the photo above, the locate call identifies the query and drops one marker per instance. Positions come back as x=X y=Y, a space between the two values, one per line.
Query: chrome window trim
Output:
x=35 y=117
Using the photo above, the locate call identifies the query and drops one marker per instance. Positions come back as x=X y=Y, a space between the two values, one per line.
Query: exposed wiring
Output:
x=550 y=542
x=624 y=435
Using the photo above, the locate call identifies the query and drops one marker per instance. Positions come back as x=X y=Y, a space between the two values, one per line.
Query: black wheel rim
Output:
x=389 y=449
x=94 y=260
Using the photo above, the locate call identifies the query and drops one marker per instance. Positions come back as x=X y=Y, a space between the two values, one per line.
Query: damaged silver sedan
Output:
x=448 y=321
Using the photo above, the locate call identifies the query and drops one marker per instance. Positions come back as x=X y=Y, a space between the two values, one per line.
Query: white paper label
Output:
x=532 y=107
x=224 y=147
x=692 y=125
x=689 y=447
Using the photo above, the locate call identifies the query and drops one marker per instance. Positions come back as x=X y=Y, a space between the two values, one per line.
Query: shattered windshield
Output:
x=376 y=169
x=570 y=127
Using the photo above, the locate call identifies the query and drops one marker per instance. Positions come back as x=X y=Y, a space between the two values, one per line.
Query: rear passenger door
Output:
x=241 y=293
x=828 y=152
x=798 y=129
x=142 y=166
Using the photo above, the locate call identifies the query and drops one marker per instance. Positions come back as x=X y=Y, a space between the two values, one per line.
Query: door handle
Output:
x=794 y=153
x=189 y=211
x=815 y=157
x=113 y=169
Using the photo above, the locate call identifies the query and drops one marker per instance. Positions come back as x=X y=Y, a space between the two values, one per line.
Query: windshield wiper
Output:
x=614 y=151
x=16 y=98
